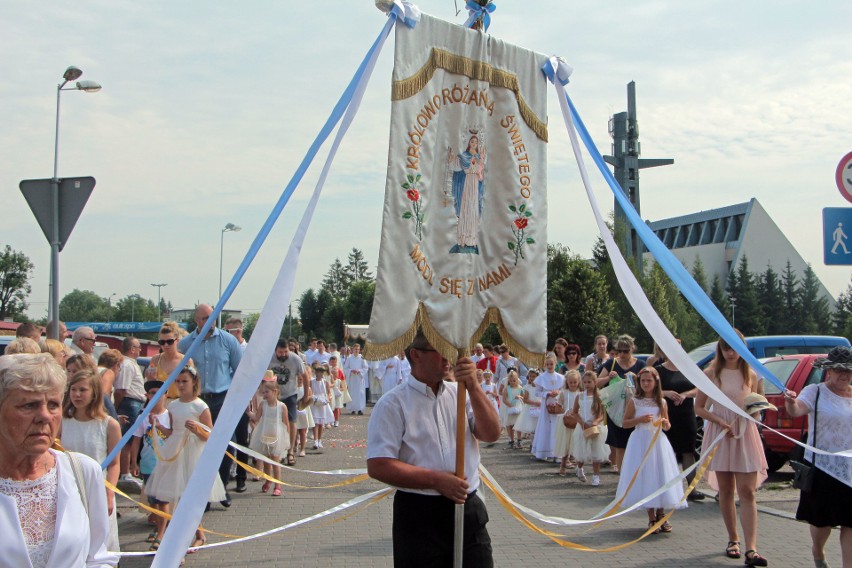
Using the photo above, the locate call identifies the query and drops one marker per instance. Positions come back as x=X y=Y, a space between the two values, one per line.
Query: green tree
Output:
x=84 y=305
x=579 y=302
x=717 y=295
x=15 y=272
x=770 y=297
x=749 y=316
x=336 y=280
x=358 y=304
x=134 y=307
x=704 y=333
x=813 y=306
x=356 y=267
x=309 y=313
x=843 y=314
x=249 y=323
x=332 y=320
x=792 y=321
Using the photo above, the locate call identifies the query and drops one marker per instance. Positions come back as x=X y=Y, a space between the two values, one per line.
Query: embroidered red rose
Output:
x=521 y=223
x=413 y=194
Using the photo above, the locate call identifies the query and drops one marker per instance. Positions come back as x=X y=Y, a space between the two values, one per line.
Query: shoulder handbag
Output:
x=804 y=472
x=78 y=477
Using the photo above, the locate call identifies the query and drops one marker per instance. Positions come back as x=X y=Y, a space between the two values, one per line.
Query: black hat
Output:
x=153 y=385
x=838 y=358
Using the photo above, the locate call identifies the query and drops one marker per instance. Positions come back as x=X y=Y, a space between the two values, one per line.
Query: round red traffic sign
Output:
x=843 y=176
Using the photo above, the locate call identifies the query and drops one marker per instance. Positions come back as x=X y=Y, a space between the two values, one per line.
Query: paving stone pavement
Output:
x=363 y=539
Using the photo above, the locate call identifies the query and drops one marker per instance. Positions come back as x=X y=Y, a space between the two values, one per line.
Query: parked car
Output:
x=774 y=345
x=4 y=341
x=796 y=372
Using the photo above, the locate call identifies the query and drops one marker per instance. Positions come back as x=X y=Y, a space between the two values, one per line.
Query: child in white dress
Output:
x=646 y=411
x=565 y=425
x=184 y=443
x=588 y=443
x=490 y=389
x=304 y=416
x=271 y=435
x=528 y=419
x=513 y=405
x=321 y=407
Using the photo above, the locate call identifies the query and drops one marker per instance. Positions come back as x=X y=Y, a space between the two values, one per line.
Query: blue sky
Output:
x=207 y=108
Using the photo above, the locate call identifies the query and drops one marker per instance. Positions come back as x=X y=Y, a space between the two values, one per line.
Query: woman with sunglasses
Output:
x=165 y=362
x=612 y=371
x=573 y=362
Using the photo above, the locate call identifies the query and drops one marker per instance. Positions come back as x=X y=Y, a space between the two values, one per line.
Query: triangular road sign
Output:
x=73 y=195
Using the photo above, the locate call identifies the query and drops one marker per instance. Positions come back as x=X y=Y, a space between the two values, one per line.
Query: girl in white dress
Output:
x=304 y=416
x=490 y=390
x=588 y=443
x=513 y=405
x=321 y=407
x=184 y=443
x=646 y=411
x=271 y=434
x=528 y=419
x=87 y=429
x=566 y=423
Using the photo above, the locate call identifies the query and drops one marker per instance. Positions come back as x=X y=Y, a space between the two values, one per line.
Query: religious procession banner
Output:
x=464 y=240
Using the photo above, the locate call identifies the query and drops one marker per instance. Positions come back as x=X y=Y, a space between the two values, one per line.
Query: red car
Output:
x=796 y=371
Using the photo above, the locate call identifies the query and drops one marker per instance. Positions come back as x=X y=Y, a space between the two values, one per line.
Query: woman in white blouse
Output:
x=53 y=510
x=829 y=503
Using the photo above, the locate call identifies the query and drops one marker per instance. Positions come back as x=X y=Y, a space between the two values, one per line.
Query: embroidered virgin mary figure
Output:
x=468 y=184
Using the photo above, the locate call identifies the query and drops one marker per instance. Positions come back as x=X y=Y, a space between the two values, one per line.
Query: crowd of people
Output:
x=608 y=409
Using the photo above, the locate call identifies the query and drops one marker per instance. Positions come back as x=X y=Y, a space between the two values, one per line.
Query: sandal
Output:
x=266 y=487
x=291 y=459
x=752 y=558
x=733 y=549
x=651 y=525
x=195 y=543
x=277 y=492
x=666 y=527
x=152 y=536
x=155 y=545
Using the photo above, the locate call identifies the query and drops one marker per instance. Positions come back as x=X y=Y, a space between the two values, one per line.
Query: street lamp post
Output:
x=109 y=303
x=229 y=228
x=159 y=311
x=71 y=74
x=733 y=311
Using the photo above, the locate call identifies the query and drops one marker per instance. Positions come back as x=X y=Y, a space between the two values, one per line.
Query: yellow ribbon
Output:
x=573 y=545
x=259 y=473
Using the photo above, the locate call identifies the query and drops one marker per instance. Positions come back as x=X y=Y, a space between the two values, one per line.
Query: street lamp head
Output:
x=231 y=227
x=72 y=74
x=88 y=86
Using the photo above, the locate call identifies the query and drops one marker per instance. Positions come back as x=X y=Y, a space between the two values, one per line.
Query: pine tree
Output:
x=813 y=306
x=749 y=312
x=792 y=323
x=336 y=280
x=308 y=313
x=842 y=317
x=356 y=267
x=770 y=296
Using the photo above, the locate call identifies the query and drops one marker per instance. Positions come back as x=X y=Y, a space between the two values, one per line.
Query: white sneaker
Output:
x=128 y=478
x=596 y=480
x=581 y=475
x=316 y=445
x=319 y=444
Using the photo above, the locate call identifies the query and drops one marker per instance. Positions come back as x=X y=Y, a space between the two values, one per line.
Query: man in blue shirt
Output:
x=216 y=359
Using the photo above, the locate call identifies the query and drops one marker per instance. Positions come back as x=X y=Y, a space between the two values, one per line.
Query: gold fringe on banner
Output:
x=379 y=351
x=476 y=70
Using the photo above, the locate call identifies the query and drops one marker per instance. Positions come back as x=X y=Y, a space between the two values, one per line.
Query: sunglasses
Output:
x=622 y=350
x=92 y=339
x=571 y=352
x=166 y=341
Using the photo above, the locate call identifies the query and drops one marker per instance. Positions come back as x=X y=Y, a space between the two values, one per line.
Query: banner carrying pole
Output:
x=461 y=424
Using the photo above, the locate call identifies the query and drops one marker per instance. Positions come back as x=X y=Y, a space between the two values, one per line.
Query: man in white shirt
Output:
x=322 y=355
x=411 y=444
x=357 y=374
x=234 y=326
x=311 y=353
x=478 y=353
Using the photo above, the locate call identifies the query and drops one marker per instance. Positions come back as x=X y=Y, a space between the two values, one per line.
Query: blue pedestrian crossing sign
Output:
x=837 y=235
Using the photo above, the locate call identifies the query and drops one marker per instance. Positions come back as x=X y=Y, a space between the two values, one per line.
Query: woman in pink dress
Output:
x=739 y=465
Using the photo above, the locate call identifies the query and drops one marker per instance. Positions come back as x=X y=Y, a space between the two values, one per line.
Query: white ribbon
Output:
x=640 y=304
x=404 y=9
x=190 y=508
x=336 y=509
x=598 y=517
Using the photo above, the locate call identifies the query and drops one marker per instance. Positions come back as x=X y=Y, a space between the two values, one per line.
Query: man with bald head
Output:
x=216 y=359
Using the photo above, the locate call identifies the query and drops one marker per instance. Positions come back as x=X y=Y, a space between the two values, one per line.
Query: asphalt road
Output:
x=363 y=539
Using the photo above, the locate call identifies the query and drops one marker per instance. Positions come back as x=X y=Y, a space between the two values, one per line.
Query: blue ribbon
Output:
x=477 y=12
x=557 y=69
x=263 y=233
x=669 y=262
x=405 y=11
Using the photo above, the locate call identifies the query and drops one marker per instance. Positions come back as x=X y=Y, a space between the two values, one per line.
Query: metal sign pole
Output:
x=461 y=424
